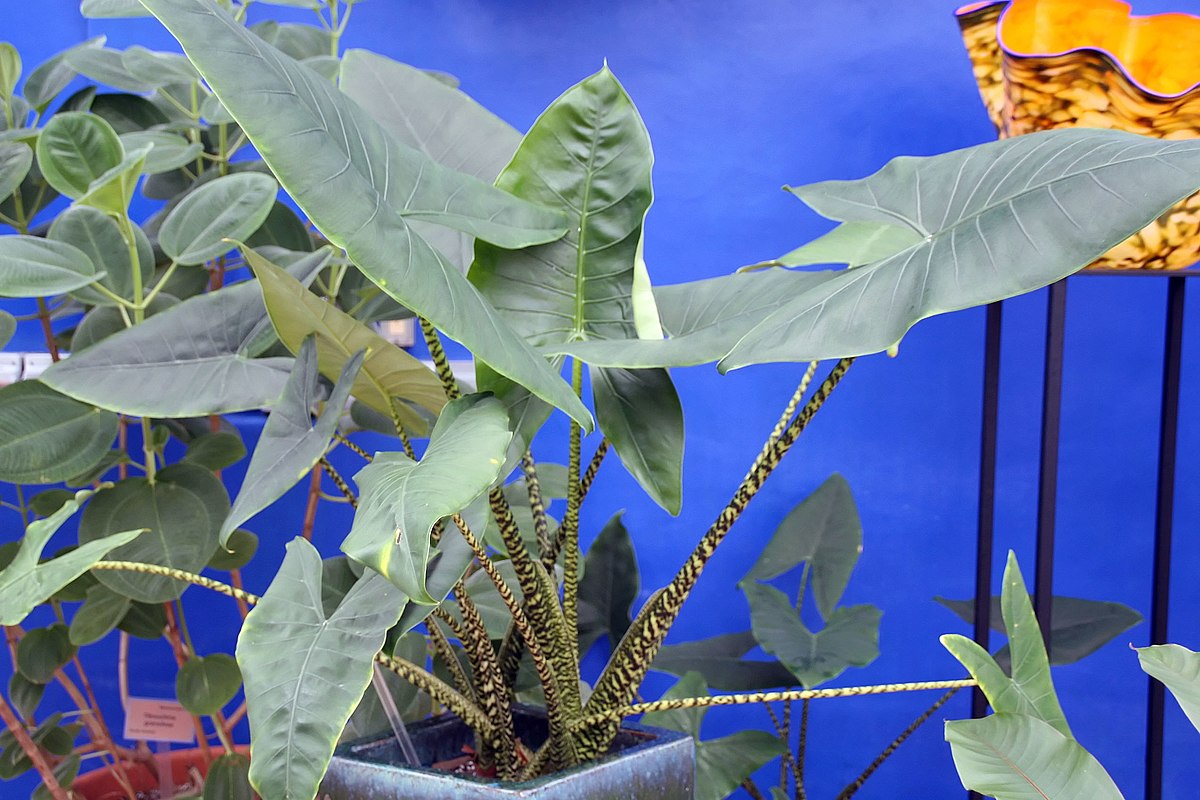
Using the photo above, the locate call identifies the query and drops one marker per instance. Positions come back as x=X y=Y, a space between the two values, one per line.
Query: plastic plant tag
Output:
x=154 y=720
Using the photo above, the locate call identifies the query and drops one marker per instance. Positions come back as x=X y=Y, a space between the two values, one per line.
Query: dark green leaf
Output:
x=684 y=720
x=34 y=267
x=75 y=149
x=144 y=620
x=106 y=65
x=47 y=437
x=128 y=113
x=216 y=450
x=52 y=76
x=401 y=499
x=306 y=671
x=719 y=660
x=205 y=685
x=826 y=532
x=15 y=160
x=1018 y=757
x=182 y=509
x=65 y=773
x=42 y=651
x=609 y=586
x=291 y=443
x=8 y=326
x=229 y=778
x=46 y=503
x=25 y=694
x=229 y=208
x=850 y=637
x=96 y=472
x=336 y=173
x=236 y=552
x=98 y=615
x=282 y=228
x=723 y=764
x=99 y=237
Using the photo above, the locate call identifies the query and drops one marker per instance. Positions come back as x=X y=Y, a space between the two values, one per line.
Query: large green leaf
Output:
x=15 y=160
x=1179 y=669
x=74 y=149
x=360 y=187
x=190 y=360
x=995 y=221
x=107 y=66
x=25 y=583
x=721 y=764
x=850 y=637
x=589 y=153
x=387 y=371
x=103 y=9
x=291 y=443
x=34 y=267
x=1030 y=690
x=851 y=243
x=401 y=499
x=182 y=511
x=47 y=437
x=99 y=237
x=609 y=586
x=445 y=124
x=228 y=208
x=98 y=615
x=826 y=532
x=1018 y=757
x=52 y=76
x=1078 y=627
x=305 y=670
x=719 y=660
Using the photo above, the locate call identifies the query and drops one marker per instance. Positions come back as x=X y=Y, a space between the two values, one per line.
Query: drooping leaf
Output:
x=1030 y=690
x=291 y=443
x=98 y=615
x=98 y=236
x=75 y=149
x=1078 y=627
x=216 y=450
x=445 y=124
x=1018 y=757
x=106 y=66
x=305 y=671
x=719 y=660
x=15 y=160
x=447 y=565
x=182 y=511
x=205 y=685
x=42 y=651
x=47 y=437
x=609 y=586
x=996 y=220
x=826 y=532
x=24 y=694
x=850 y=637
x=191 y=359
x=401 y=499
x=387 y=371
x=360 y=187
x=230 y=207
x=144 y=620
x=236 y=551
x=1179 y=669
x=31 y=266
x=228 y=778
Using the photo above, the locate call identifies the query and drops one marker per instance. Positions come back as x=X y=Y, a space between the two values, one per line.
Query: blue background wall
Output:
x=741 y=98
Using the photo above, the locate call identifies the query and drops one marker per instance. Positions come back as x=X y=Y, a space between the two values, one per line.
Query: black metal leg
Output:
x=1163 y=518
x=984 y=545
x=1043 y=592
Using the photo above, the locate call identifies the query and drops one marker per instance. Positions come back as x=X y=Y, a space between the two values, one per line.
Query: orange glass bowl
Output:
x=1043 y=64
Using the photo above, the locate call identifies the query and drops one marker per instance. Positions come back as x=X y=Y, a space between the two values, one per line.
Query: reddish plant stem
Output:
x=101 y=727
x=47 y=331
x=310 y=512
x=122 y=443
x=32 y=750
x=181 y=657
x=235 y=578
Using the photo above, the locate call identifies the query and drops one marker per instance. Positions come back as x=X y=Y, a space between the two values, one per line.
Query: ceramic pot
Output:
x=1043 y=64
x=645 y=762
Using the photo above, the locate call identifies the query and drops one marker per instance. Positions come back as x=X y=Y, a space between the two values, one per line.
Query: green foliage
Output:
x=47 y=437
x=1179 y=669
x=205 y=685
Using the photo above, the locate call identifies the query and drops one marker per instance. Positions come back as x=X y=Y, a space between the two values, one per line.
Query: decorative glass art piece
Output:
x=1043 y=64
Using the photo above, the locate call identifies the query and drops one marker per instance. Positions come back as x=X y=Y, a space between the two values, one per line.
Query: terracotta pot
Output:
x=644 y=762
x=1044 y=64
x=100 y=784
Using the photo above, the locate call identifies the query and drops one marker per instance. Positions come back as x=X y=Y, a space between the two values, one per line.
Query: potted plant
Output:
x=446 y=554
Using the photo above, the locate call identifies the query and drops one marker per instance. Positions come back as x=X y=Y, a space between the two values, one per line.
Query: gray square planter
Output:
x=645 y=762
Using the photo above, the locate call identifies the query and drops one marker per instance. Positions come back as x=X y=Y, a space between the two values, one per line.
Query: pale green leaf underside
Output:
x=1179 y=669
x=360 y=187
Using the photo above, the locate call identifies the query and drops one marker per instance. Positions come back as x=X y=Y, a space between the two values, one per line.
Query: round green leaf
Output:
x=34 y=267
x=168 y=150
x=8 y=326
x=46 y=503
x=204 y=685
x=47 y=437
x=182 y=509
x=237 y=551
x=144 y=620
x=229 y=779
x=99 y=614
x=25 y=694
x=98 y=236
x=15 y=160
x=75 y=149
x=42 y=651
x=216 y=450
x=230 y=207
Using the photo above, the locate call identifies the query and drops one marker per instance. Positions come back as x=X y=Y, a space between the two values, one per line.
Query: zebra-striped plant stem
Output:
x=537 y=507
x=498 y=746
x=443 y=649
x=570 y=523
x=441 y=364
x=628 y=666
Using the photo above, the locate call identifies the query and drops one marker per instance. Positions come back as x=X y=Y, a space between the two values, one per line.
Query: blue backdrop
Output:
x=741 y=98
